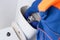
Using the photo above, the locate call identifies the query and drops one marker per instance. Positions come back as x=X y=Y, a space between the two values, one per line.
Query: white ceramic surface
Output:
x=8 y=11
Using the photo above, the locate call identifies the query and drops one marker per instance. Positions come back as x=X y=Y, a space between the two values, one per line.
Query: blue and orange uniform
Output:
x=49 y=25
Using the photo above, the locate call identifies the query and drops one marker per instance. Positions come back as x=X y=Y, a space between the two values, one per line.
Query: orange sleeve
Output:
x=45 y=4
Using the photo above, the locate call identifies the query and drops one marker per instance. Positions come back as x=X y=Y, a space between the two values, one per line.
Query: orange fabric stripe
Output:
x=57 y=5
x=45 y=4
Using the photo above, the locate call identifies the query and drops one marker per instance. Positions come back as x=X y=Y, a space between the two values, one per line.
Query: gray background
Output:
x=7 y=12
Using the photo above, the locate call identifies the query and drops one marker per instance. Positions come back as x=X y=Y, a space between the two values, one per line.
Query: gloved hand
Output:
x=31 y=10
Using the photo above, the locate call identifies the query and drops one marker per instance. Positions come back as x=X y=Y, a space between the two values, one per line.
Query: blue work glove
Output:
x=31 y=10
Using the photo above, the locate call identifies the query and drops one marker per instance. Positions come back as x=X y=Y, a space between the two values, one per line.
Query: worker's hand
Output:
x=31 y=10
x=32 y=22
